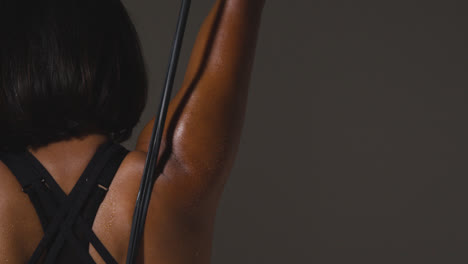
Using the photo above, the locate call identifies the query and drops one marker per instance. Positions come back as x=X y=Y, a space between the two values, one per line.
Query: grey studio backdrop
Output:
x=354 y=148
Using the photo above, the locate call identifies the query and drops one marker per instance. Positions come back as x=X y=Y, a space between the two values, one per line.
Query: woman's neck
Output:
x=67 y=160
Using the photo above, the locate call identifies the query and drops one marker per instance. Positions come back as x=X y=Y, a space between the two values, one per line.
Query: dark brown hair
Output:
x=68 y=68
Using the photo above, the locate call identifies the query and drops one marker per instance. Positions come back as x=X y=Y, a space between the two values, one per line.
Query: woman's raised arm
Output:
x=206 y=116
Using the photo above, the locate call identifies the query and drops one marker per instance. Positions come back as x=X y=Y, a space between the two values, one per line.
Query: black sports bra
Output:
x=67 y=220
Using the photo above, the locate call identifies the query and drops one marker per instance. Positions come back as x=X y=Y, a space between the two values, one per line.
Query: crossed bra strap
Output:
x=67 y=220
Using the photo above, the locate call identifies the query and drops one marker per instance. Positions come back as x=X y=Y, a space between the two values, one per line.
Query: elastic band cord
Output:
x=149 y=175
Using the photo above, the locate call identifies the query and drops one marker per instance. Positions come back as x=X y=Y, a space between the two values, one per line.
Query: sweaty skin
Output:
x=199 y=146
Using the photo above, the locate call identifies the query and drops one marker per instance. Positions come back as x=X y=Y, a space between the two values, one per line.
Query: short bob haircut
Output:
x=68 y=68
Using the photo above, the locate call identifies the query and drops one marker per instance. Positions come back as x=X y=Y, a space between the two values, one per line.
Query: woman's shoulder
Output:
x=134 y=163
x=128 y=177
x=175 y=188
x=9 y=184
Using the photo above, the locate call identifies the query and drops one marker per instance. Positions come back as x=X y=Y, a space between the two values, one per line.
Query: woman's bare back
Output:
x=21 y=229
x=199 y=146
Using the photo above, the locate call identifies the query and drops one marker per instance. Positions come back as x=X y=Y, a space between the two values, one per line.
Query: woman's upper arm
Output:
x=205 y=118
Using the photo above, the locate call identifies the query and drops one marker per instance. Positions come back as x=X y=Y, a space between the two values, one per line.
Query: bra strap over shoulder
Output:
x=16 y=163
x=103 y=183
x=32 y=183
x=68 y=218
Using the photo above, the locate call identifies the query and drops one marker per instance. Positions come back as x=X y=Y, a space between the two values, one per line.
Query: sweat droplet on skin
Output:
x=112 y=206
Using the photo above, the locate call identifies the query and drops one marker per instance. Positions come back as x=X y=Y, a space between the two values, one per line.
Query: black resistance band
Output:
x=149 y=175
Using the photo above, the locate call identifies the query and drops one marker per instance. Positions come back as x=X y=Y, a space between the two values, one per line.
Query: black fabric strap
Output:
x=15 y=162
x=96 y=199
x=60 y=214
x=103 y=184
x=31 y=182
x=97 y=244
x=69 y=212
